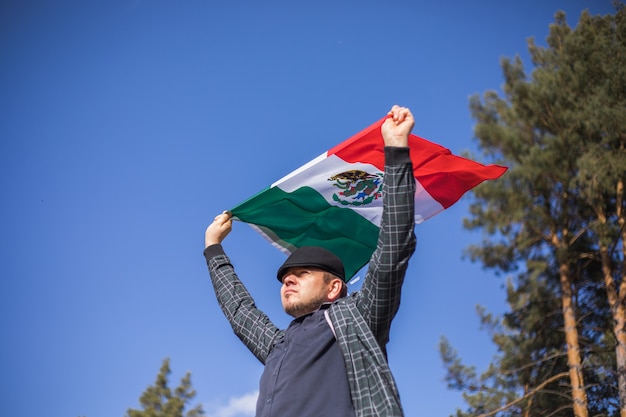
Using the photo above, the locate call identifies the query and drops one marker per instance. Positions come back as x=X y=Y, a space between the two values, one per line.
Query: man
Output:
x=331 y=360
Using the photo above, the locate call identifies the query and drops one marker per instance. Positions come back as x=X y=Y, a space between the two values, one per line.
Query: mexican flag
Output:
x=335 y=200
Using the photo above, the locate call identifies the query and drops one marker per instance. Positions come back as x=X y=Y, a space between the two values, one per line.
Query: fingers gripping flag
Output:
x=335 y=200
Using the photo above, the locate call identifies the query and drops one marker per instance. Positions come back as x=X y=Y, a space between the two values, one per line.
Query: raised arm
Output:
x=380 y=293
x=249 y=323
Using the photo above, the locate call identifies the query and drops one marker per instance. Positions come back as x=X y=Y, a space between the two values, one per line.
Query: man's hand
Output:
x=397 y=127
x=219 y=229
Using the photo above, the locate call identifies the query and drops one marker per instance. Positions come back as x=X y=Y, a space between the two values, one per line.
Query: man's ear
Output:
x=334 y=289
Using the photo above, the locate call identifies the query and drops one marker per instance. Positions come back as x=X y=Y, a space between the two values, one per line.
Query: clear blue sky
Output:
x=127 y=125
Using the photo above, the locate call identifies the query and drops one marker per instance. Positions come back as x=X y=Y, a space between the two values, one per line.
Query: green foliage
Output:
x=562 y=132
x=159 y=400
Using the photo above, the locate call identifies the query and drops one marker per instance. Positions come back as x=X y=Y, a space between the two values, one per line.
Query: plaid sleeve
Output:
x=379 y=298
x=249 y=323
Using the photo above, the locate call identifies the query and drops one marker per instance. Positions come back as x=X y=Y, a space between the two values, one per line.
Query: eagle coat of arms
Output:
x=357 y=187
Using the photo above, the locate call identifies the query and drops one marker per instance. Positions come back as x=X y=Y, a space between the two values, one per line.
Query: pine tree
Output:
x=557 y=221
x=158 y=400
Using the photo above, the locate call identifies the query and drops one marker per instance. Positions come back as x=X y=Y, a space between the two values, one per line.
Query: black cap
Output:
x=313 y=256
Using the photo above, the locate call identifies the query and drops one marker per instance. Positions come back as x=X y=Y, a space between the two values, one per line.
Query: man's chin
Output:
x=298 y=309
x=293 y=311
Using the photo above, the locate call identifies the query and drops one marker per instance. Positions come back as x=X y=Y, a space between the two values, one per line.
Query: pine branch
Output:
x=558 y=410
x=534 y=363
x=530 y=394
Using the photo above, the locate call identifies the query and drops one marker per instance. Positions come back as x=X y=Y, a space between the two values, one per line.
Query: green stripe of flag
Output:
x=305 y=218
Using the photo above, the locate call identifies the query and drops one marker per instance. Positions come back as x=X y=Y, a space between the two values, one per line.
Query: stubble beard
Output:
x=300 y=308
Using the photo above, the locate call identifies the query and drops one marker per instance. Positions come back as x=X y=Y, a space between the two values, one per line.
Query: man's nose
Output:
x=289 y=279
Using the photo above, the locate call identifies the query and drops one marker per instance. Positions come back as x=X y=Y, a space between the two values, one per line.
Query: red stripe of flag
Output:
x=445 y=176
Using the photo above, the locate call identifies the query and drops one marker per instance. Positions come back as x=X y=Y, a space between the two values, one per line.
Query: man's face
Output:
x=303 y=290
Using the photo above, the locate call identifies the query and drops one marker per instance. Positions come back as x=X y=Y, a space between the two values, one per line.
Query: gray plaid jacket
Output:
x=362 y=320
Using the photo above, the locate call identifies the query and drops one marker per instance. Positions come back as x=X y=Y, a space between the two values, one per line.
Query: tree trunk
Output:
x=579 y=395
x=616 y=298
x=618 y=310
